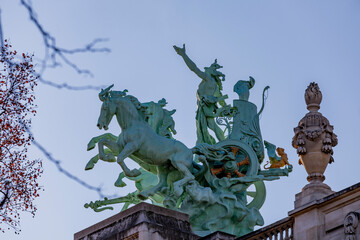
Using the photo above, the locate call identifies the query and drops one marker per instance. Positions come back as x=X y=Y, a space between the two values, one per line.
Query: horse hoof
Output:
x=109 y=158
x=135 y=173
x=120 y=183
x=142 y=196
x=90 y=165
x=91 y=145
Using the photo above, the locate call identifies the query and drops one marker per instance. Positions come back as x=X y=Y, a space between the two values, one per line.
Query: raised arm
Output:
x=191 y=65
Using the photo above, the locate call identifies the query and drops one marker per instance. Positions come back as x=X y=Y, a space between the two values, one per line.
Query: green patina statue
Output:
x=208 y=95
x=211 y=181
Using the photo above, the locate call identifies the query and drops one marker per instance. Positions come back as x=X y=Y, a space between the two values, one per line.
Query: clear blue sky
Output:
x=284 y=44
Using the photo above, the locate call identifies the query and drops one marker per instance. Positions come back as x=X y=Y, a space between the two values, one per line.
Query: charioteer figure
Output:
x=208 y=96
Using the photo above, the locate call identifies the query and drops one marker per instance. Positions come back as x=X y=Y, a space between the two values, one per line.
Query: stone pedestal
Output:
x=333 y=217
x=218 y=236
x=145 y=221
x=312 y=192
x=141 y=222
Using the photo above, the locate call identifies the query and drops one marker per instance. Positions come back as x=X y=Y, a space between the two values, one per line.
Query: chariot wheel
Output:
x=256 y=196
x=246 y=162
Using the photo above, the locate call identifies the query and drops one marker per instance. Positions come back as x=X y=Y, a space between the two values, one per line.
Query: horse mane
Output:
x=130 y=108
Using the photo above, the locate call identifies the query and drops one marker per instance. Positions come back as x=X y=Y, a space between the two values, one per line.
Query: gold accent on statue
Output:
x=282 y=162
x=229 y=170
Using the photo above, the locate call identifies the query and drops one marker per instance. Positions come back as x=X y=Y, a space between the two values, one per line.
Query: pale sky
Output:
x=283 y=44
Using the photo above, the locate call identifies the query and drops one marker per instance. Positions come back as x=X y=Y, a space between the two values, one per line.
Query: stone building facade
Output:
x=333 y=217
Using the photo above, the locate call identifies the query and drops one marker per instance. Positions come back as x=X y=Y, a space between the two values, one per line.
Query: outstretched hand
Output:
x=180 y=51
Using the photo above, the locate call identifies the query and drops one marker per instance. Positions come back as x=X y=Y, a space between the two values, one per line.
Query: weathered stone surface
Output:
x=335 y=217
x=219 y=236
x=143 y=221
x=311 y=192
x=323 y=219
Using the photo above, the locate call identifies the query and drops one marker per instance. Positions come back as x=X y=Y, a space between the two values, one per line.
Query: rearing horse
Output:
x=137 y=138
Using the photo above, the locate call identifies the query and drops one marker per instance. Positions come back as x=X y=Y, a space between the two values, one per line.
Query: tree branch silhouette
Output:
x=57 y=163
x=54 y=57
x=53 y=51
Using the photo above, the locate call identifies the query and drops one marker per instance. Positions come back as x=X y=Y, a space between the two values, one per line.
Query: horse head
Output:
x=125 y=107
x=108 y=108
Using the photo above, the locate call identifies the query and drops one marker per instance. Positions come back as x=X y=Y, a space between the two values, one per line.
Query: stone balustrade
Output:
x=280 y=230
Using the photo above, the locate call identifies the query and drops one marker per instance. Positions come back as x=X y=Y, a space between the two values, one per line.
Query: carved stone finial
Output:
x=314 y=137
x=313 y=97
x=314 y=140
x=351 y=222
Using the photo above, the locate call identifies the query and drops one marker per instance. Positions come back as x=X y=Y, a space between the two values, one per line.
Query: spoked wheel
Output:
x=256 y=196
x=245 y=162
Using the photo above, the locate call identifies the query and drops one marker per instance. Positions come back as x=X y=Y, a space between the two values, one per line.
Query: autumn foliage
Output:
x=18 y=174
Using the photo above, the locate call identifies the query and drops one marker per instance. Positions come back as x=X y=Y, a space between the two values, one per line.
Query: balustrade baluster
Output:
x=276 y=234
x=281 y=234
x=287 y=233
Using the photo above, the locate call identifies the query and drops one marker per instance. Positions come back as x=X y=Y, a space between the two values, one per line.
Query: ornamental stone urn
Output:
x=314 y=140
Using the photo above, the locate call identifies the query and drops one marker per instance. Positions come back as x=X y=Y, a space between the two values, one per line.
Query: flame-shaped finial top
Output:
x=313 y=97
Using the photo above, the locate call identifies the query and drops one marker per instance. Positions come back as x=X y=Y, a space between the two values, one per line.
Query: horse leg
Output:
x=128 y=149
x=119 y=181
x=104 y=154
x=95 y=140
x=113 y=146
x=90 y=165
x=162 y=175
x=178 y=185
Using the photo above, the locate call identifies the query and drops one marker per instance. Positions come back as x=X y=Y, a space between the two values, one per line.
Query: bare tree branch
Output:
x=55 y=51
x=1 y=33
x=52 y=51
x=69 y=87
x=57 y=163
x=5 y=193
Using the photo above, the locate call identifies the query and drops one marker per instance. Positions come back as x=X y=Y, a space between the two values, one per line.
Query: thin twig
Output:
x=56 y=51
x=1 y=33
x=69 y=87
x=52 y=50
x=57 y=163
